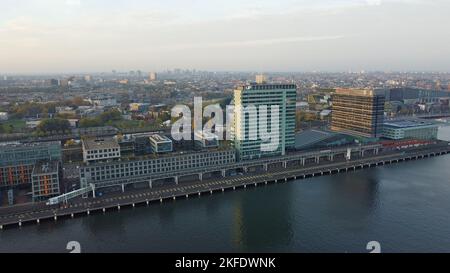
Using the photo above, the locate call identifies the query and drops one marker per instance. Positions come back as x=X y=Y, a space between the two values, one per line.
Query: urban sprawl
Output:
x=68 y=139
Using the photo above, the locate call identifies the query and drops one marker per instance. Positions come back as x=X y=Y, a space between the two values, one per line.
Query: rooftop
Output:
x=357 y=92
x=407 y=123
x=100 y=143
x=45 y=167
x=267 y=86
x=18 y=144
x=310 y=137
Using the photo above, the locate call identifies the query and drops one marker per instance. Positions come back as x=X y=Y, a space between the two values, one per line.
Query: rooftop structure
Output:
x=160 y=143
x=100 y=149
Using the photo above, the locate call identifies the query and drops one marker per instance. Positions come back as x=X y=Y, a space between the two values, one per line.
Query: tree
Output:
x=53 y=126
x=89 y=122
x=111 y=115
x=105 y=118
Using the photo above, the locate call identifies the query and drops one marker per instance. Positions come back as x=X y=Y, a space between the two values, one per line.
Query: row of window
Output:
x=99 y=151
x=102 y=156
x=126 y=172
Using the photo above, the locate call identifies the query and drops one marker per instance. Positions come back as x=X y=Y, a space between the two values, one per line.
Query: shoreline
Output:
x=139 y=197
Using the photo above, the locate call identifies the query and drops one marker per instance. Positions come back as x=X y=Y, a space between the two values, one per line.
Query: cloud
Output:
x=252 y=43
x=75 y=3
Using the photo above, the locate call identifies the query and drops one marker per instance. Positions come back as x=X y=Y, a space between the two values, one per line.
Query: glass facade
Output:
x=248 y=142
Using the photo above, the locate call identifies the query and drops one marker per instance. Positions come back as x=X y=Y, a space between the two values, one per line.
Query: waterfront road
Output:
x=116 y=200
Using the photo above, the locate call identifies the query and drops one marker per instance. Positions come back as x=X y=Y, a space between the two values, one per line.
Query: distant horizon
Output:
x=144 y=73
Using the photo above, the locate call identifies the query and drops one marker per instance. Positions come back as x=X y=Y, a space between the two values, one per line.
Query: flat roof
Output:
x=159 y=138
x=100 y=143
x=45 y=167
x=407 y=123
x=267 y=86
x=18 y=144
x=358 y=92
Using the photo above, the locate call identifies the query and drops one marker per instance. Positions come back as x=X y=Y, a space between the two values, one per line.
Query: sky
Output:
x=63 y=36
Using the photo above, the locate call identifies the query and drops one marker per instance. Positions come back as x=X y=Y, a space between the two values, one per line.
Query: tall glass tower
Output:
x=249 y=102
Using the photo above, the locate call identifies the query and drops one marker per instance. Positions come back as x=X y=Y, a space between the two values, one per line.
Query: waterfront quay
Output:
x=115 y=201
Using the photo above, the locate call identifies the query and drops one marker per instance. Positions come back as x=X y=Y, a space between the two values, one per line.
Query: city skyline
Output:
x=92 y=36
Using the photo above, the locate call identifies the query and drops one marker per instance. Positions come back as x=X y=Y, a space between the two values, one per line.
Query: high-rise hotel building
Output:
x=358 y=112
x=248 y=143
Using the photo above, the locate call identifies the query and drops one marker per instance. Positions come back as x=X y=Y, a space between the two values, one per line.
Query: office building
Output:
x=402 y=129
x=247 y=141
x=161 y=143
x=114 y=173
x=100 y=149
x=18 y=160
x=358 y=112
x=45 y=180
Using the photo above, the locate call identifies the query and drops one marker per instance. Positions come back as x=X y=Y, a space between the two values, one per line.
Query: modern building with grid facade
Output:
x=45 y=180
x=104 y=174
x=256 y=95
x=358 y=112
x=17 y=160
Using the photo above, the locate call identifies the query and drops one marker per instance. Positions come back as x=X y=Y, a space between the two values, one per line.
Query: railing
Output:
x=65 y=197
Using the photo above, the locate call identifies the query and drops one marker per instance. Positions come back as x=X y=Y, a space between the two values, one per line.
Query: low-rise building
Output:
x=401 y=129
x=103 y=100
x=100 y=149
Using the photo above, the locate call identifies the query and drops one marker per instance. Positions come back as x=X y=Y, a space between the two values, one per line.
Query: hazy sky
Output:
x=259 y=35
